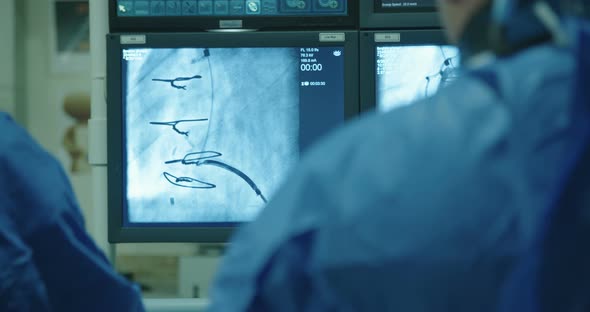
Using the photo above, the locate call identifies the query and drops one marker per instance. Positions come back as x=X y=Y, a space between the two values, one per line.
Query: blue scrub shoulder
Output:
x=34 y=187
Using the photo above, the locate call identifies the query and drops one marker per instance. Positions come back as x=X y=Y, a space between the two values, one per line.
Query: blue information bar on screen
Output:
x=134 y=8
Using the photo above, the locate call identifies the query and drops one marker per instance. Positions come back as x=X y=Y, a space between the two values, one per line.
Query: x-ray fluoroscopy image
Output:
x=210 y=133
x=410 y=73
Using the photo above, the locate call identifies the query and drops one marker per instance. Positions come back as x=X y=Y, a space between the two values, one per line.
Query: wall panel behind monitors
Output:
x=198 y=15
x=389 y=14
x=401 y=67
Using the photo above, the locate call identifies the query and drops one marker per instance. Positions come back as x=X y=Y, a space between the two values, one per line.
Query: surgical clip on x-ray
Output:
x=175 y=123
x=179 y=79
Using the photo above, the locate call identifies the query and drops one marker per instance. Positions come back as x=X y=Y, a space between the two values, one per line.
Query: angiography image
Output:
x=410 y=73
x=210 y=133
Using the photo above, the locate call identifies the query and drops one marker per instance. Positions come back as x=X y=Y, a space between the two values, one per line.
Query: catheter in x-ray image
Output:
x=406 y=74
x=210 y=133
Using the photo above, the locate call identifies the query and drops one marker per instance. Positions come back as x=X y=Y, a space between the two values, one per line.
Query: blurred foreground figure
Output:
x=48 y=262
x=434 y=206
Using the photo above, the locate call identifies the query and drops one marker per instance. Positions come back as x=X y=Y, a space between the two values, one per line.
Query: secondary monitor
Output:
x=204 y=128
x=197 y=15
x=400 y=68
x=384 y=14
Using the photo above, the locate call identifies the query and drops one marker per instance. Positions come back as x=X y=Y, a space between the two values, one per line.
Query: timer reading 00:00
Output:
x=311 y=67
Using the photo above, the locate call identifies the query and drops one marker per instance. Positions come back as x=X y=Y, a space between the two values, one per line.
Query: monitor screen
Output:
x=406 y=74
x=231 y=7
x=397 y=6
x=211 y=124
x=196 y=15
x=394 y=14
x=405 y=66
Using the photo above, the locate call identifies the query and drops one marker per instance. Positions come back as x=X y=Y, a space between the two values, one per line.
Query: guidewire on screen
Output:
x=203 y=157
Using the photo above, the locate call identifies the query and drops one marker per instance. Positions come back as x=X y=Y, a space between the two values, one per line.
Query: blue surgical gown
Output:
x=424 y=208
x=555 y=274
x=48 y=262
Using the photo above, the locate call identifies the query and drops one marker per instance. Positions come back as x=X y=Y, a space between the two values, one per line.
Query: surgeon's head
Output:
x=456 y=14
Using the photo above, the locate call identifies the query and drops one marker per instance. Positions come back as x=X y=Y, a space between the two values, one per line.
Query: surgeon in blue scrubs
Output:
x=48 y=262
x=429 y=206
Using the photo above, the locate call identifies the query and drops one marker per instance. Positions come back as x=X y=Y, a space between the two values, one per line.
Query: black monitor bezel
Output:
x=119 y=24
x=368 y=97
x=117 y=231
x=370 y=18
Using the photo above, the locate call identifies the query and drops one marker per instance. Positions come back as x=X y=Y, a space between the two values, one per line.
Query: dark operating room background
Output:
x=249 y=97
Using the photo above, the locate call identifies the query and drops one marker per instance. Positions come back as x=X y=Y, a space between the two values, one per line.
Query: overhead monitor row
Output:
x=204 y=128
x=199 y=15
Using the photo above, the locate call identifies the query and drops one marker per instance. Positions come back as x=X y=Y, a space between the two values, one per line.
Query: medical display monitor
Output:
x=204 y=128
x=194 y=15
x=384 y=14
x=397 y=6
x=405 y=67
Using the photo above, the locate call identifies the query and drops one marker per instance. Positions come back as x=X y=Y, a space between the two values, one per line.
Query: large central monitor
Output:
x=196 y=15
x=402 y=67
x=204 y=128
